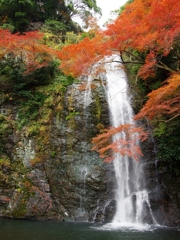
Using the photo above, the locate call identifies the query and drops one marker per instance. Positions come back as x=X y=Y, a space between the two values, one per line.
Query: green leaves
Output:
x=71 y=115
x=169 y=151
x=20 y=14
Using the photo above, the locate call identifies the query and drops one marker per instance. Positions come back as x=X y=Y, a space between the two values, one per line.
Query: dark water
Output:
x=53 y=230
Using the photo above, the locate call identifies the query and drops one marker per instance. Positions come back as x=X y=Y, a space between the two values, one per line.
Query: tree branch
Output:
x=166 y=121
x=165 y=67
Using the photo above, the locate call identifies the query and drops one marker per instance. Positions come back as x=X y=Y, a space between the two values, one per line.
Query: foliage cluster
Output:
x=6 y=126
x=18 y=15
x=30 y=78
x=24 y=61
x=126 y=146
x=146 y=35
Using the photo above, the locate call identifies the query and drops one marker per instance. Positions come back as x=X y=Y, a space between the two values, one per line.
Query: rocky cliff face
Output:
x=162 y=186
x=47 y=170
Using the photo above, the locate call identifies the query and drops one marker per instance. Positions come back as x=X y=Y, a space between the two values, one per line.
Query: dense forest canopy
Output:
x=18 y=15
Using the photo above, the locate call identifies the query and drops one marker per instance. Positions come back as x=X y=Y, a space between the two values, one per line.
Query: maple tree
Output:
x=147 y=34
x=77 y=59
x=25 y=50
x=126 y=144
x=147 y=26
x=25 y=63
x=163 y=103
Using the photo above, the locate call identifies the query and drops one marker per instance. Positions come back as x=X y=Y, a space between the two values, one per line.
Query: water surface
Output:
x=11 y=229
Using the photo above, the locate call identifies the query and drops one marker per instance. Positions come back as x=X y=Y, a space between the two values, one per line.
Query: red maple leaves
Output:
x=152 y=28
x=25 y=49
x=126 y=138
x=163 y=103
x=77 y=59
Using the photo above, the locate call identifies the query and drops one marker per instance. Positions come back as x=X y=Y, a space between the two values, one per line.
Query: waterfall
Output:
x=132 y=201
x=81 y=213
x=131 y=196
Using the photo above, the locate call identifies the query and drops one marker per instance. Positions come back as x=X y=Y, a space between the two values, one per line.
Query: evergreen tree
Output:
x=17 y=14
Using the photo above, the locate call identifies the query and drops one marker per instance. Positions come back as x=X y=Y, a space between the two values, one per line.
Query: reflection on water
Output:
x=53 y=230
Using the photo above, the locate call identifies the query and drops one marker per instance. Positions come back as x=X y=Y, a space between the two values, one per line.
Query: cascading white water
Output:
x=131 y=197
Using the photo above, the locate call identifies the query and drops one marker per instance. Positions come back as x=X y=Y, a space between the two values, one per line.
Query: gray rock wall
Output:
x=54 y=174
x=162 y=186
x=48 y=171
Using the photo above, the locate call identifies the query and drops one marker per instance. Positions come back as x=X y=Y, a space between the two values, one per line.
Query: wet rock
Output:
x=55 y=175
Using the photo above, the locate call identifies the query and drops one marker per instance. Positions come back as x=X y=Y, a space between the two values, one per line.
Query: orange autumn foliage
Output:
x=84 y=86
x=126 y=145
x=165 y=101
x=152 y=28
x=26 y=49
x=147 y=25
x=77 y=59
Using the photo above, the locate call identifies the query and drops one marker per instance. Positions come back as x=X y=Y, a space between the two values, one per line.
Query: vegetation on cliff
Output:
x=38 y=109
